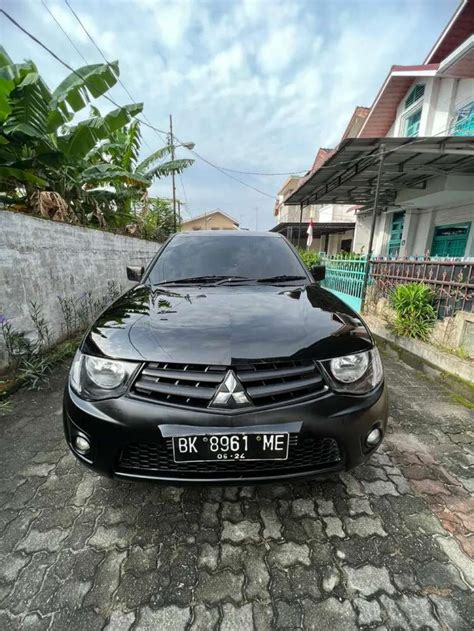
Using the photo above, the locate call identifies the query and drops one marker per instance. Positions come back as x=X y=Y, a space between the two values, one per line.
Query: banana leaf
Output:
x=87 y=82
x=25 y=177
x=111 y=174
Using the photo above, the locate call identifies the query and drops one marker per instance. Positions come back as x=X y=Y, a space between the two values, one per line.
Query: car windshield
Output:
x=207 y=258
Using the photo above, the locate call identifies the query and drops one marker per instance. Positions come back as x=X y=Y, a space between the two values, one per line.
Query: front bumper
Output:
x=130 y=438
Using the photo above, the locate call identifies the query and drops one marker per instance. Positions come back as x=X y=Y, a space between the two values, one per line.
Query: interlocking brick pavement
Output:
x=386 y=546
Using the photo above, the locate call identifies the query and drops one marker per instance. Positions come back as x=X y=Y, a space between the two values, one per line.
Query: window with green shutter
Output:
x=396 y=232
x=450 y=240
x=412 y=126
x=415 y=95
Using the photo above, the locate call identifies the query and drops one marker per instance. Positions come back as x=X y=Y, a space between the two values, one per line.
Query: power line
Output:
x=220 y=169
x=130 y=96
x=101 y=52
x=65 y=33
x=264 y=174
x=108 y=98
x=160 y=131
x=97 y=47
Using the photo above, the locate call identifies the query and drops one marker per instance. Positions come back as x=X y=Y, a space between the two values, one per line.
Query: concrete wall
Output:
x=41 y=260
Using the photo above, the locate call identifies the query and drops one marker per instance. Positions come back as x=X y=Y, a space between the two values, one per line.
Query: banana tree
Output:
x=41 y=148
x=121 y=151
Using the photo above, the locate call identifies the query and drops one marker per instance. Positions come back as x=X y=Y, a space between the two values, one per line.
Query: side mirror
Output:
x=318 y=272
x=135 y=273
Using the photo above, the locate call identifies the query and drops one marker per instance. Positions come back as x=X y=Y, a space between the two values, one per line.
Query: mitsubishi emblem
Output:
x=230 y=394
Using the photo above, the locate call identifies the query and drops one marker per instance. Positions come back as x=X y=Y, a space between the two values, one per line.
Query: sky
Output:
x=257 y=85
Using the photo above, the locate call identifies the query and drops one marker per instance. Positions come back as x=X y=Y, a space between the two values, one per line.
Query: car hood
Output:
x=226 y=325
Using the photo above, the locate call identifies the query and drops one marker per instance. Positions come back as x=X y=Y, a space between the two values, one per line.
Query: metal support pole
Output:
x=301 y=224
x=372 y=227
x=175 y=223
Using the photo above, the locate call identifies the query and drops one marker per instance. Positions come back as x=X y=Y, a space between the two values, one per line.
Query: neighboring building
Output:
x=333 y=224
x=432 y=99
x=282 y=212
x=430 y=208
x=213 y=220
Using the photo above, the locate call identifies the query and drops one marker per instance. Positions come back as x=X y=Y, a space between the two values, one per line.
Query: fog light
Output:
x=373 y=437
x=82 y=445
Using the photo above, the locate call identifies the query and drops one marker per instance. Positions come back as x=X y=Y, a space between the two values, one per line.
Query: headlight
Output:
x=105 y=373
x=349 y=368
x=355 y=374
x=97 y=378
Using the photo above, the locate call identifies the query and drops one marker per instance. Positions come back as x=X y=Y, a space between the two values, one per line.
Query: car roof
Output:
x=227 y=233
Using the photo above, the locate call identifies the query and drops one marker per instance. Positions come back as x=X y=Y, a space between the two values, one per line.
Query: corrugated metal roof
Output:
x=329 y=227
x=348 y=177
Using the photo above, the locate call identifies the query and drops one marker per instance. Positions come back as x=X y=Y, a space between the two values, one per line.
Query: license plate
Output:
x=225 y=447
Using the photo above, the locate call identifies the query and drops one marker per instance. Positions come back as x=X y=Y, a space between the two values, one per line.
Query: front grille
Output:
x=306 y=454
x=194 y=385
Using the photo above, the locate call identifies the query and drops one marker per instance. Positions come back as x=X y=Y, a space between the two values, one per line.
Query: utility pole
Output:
x=372 y=227
x=175 y=225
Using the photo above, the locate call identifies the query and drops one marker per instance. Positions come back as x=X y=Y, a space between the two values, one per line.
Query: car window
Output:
x=251 y=257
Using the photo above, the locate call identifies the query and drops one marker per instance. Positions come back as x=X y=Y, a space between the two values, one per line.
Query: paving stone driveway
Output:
x=386 y=546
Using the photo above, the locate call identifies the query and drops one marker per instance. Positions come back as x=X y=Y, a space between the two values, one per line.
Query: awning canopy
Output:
x=297 y=230
x=349 y=176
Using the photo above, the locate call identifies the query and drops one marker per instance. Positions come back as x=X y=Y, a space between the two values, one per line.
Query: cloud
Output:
x=258 y=85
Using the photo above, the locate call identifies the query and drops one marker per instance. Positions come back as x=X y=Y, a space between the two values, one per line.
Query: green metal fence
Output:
x=344 y=278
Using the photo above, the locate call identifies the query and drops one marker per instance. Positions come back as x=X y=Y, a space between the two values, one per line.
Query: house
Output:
x=434 y=99
x=213 y=220
x=333 y=224
x=427 y=184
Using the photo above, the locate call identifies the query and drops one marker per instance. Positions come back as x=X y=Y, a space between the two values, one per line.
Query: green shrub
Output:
x=414 y=312
x=310 y=257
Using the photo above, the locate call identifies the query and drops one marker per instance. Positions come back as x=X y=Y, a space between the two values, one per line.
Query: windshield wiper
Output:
x=234 y=279
x=279 y=279
x=221 y=280
x=269 y=279
x=191 y=280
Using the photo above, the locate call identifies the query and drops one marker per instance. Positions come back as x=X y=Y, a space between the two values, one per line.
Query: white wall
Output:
x=336 y=212
x=362 y=233
x=418 y=229
x=443 y=97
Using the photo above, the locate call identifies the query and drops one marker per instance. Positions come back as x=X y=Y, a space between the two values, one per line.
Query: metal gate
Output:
x=344 y=278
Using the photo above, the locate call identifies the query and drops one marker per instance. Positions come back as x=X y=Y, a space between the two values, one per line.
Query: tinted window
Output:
x=252 y=257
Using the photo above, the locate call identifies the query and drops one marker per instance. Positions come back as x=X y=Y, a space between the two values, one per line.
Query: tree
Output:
x=122 y=150
x=84 y=172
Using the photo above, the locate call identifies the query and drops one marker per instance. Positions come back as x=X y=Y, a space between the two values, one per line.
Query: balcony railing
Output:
x=464 y=125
